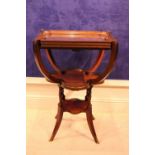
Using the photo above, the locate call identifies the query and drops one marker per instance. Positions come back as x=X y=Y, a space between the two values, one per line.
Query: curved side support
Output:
x=38 y=60
x=108 y=69
x=98 y=62
x=52 y=61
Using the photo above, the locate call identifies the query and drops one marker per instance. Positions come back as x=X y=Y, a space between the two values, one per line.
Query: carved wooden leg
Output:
x=88 y=98
x=58 y=122
x=61 y=98
x=89 y=114
x=59 y=114
x=90 y=124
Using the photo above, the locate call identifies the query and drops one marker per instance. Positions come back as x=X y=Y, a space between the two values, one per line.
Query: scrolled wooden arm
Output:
x=108 y=69
x=52 y=61
x=39 y=63
x=97 y=62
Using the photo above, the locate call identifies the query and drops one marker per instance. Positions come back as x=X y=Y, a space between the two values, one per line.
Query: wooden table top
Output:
x=74 y=39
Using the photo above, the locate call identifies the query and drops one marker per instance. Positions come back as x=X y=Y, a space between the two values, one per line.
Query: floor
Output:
x=74 y=137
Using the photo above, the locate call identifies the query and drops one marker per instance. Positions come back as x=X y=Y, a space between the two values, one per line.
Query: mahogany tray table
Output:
x=75 y=79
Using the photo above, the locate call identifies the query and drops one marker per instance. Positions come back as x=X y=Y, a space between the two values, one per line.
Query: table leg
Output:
x=58 y=121
x=90 y=123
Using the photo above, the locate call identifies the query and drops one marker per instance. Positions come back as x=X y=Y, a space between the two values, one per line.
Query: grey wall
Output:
x=104 y=15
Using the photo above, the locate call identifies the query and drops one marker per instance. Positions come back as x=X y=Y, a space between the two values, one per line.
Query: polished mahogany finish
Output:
x=75 y=79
